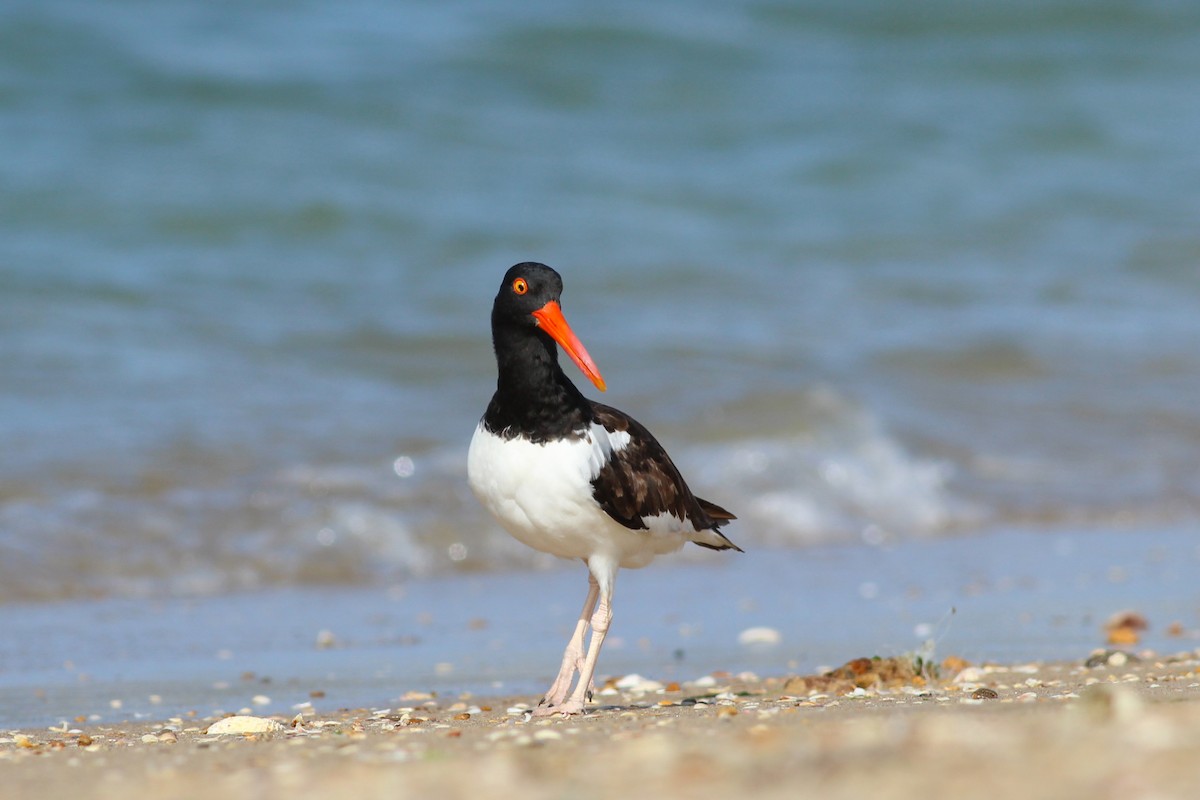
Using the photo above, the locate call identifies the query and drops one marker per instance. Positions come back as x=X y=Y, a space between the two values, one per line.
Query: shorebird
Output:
x=572 y=477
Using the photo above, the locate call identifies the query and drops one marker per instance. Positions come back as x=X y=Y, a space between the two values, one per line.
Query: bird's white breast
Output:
x=542 y=495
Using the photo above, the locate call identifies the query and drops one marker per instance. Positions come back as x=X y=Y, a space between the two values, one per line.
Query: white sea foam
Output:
x=832 y=486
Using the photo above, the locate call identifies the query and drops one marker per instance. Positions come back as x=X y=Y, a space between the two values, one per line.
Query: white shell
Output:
x=242 y=725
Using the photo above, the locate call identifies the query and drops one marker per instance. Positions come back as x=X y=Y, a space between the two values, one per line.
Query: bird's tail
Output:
x=711 y=537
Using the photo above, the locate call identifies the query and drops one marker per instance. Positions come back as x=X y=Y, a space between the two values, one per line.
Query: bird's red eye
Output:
x=520 y=286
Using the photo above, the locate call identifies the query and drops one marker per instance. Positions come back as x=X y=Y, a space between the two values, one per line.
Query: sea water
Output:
x=875 y=274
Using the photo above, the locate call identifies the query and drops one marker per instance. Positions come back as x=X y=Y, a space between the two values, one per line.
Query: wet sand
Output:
x=1010 y=597
x=1121 y=729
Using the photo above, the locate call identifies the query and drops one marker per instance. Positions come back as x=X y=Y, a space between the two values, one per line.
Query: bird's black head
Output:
x=528 y=301
x=526 y=288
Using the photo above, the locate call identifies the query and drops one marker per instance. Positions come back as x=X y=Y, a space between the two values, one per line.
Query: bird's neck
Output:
x=534 y=398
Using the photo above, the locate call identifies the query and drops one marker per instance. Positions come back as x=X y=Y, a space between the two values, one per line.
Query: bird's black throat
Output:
x=534 y=398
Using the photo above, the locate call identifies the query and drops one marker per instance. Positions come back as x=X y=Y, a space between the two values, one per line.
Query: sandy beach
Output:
x=1124 y=726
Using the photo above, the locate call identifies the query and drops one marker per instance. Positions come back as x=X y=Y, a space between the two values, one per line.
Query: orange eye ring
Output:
x=520 y=286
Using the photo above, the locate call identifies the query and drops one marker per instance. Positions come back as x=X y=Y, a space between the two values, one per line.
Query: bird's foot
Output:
x=549 y=706
x=566 y=709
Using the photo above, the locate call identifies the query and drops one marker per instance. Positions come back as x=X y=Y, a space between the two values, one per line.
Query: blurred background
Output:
x=872 y=272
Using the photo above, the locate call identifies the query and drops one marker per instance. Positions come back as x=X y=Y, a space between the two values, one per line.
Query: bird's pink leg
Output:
x=604 y=574
x=583 y=690
x=573 y=656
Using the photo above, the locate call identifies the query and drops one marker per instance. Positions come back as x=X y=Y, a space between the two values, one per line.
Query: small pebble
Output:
x=1111 y=703
x=759 y=636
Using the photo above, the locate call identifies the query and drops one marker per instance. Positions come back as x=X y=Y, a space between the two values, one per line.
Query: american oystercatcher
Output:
x=572 y=477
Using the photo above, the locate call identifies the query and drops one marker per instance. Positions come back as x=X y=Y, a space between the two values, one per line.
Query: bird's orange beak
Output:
x=550 y=319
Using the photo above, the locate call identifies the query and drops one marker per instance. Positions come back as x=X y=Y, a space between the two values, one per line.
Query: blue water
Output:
x=873 y=272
